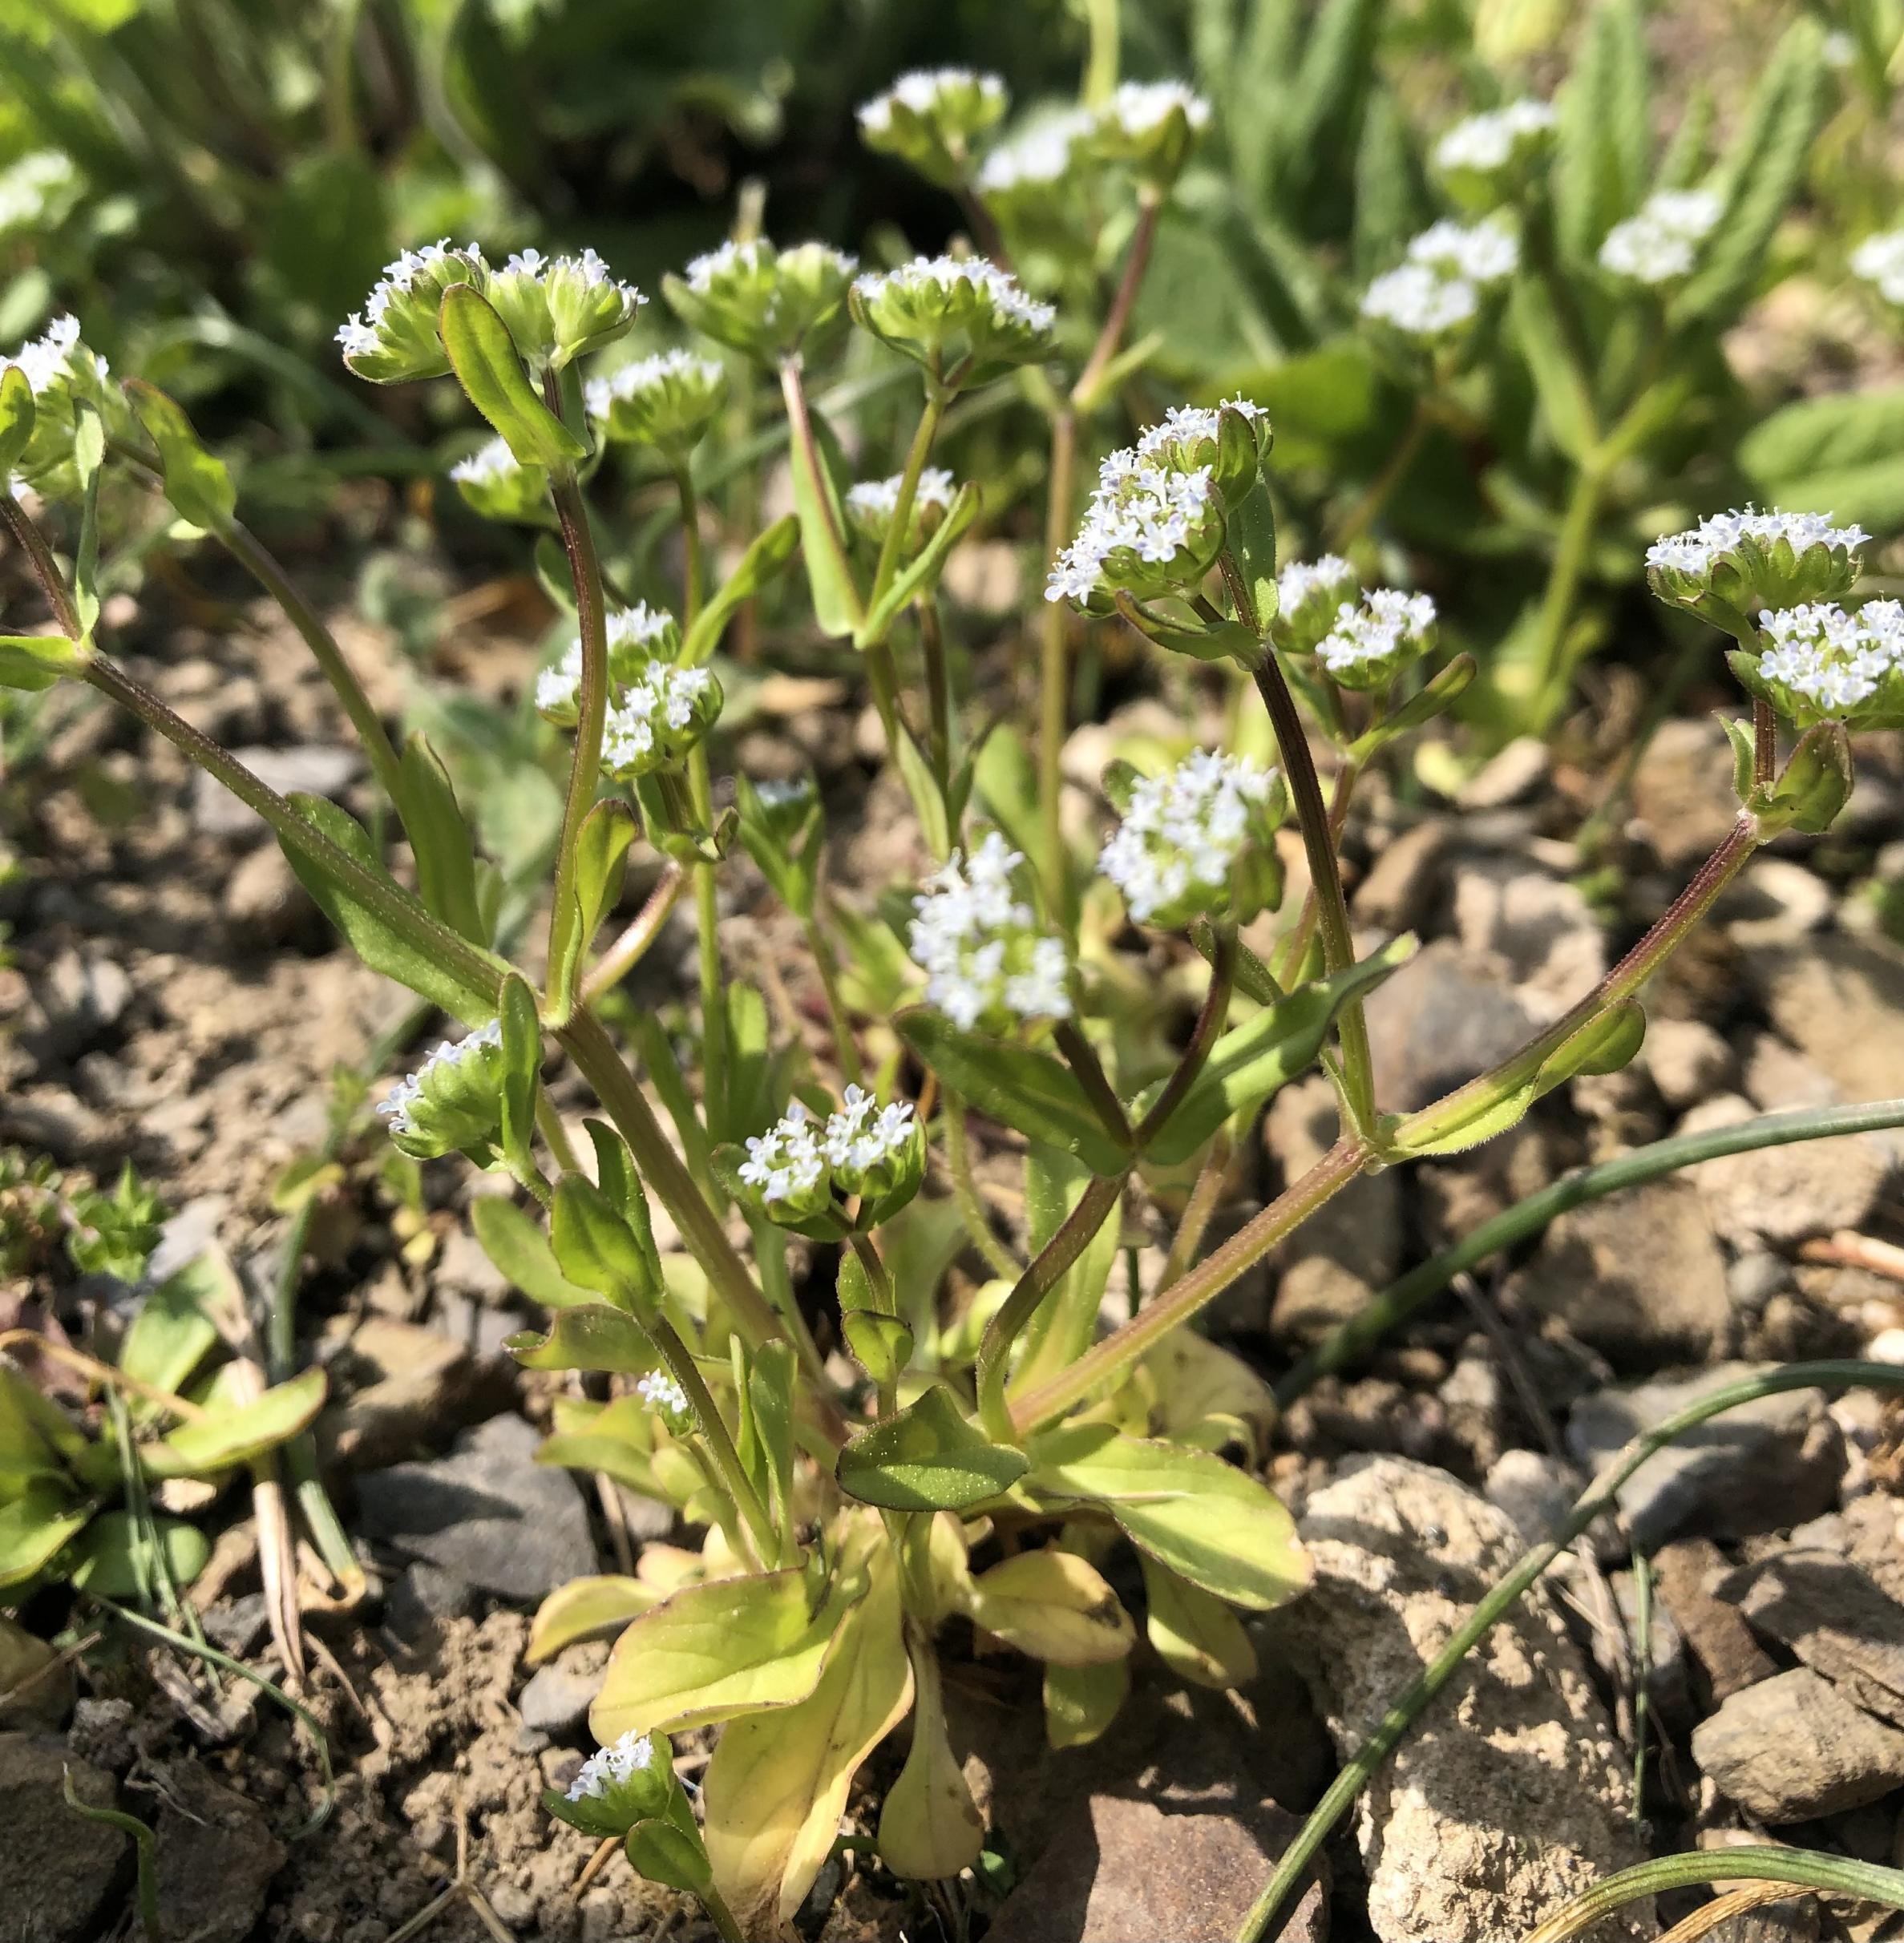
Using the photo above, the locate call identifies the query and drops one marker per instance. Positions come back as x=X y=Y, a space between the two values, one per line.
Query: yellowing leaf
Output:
x=1082 y=1702
x=1203 y=1518
x=585 y=1607
x=1054 y=1605
x=777 y=1786
x=930 y=1827
x=1196 y=1636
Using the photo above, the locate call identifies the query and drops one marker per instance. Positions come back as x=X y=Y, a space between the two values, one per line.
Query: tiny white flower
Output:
x=986 y=960
x=931 y=92
x=1183 y=832
x=612 y=1767
x=489 y=465
x=1368 y=643
x=879 y=499
x=1138 y=107
x=646 y=727
x=1660 y=244
x=644 y=377
x=55 y=358
x=785 y=1163
x=1143 y=516
x=1480 y=253
x=1879 y=262
x=665 y=1397
x=34 y=187
x=1416 y=300
x=1331 y=575
x=397 y=1104
x=1699 y=549
x=999 y=290
x=1484 y=144
x=1038 y=157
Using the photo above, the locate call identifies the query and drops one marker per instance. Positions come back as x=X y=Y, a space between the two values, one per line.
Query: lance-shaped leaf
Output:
x=1197 y=1636
x=1250 y=532
x=1203 y=1518
x=522 y=1072
x=228 y=1438
x=927 y=1457
x=923 y=574
x=440 y=838
x=707 y=1652
x=483 y=356
x=929 y=1827
x=596 y=1246
x=601 y=862
x=1250 y=1063
x=1565 y=401
x=1054 y=1605
x=778 y=1784
x=769 y=557
x=18 y=414
x=516 y=1244
x=1082 y=1702
x=89 y=459
x=1219 y=640
x=836 y=603
x=592 y=1337
x=665 y=1852
x=30 y=662
x=586 y=1609
x=198 y=486
x=1030 y=1091
x=34 y=1526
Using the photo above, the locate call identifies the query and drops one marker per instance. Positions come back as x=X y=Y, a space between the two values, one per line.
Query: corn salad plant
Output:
x=982 y=1460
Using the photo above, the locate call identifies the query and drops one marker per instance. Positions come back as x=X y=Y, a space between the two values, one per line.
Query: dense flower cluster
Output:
x=497 y=484
x=1438 y=291
x=1139 y=108
x=1824 y=664
x=803 y=1165
x=1486 y=144
x=561 y=307
x=959 y=312
x=763 y=300
x=1733 y=565
x=988 y=962
x=57 y=361
x=636 y=636
x=1149 y=528
x=668 y=400
x=1720 y=535
x=1368 y=645
x=1482 y=254
x=1038 y=157
x=1308 y=595
x=929 y=118
x=1879 y=262
x=1660 y=244
x=609 y=1768
x=1174 y=854
x=449 y=1102
x=665 y=1397
x=662 y=714
x=871 y=504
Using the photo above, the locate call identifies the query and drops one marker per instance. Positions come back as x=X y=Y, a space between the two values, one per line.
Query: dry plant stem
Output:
x=971 y=1204
x=1599 y=1498
x=101 y=1373
x=1095 y=1207
x=1211 y=1018
x=1723 y=1908
x=628 y=951
x=719 y=1441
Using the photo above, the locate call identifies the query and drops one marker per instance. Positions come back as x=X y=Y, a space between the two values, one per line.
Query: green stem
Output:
x=938 y=704
x=693 y=573
x=1095 y=1207
x=1353 y=1340
x=718 y=1439
x=628 y=951
x=1364 y=513
x=46 y=569
x=1117 y=321
x=845 y=1047
x=892 y=546
x=1210 y=1017
x=965 y=1195
x=707 y=931
x=1599 y=1499
x=721 y=1916
x=804 y=451
x=1564 y=584
x=146 y=1886
x=885 y=1302
x=1081 y=1057
x=1054 y=665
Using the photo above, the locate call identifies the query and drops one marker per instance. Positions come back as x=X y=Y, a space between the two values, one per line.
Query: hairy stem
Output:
x=1081 y=1057
x=46 y=569
x=1211 y=1018
x=627 y=952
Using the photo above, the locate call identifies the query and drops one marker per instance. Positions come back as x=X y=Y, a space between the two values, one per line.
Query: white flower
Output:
x=1833 y=660
x=1331 y=574
x=658 y=707
x=1839 y=49
x=665 y=1398
x=1661 y=244
x=395 y=1106
x=360 y=334
x=1879 y=260
x=645 y=375
x=1183 y=830
x=1187 y=423
x=1037 y=156
x=1136 y=107
x=1698 y=550
x=1481 y=253
x=717 y=266
x=560 y=687
x=1387 y=625
x=1415 y=300
x=612 y=1767
x=785 y=1161
x=862 y=1134
x=640 y=626
x=984 y=958
x=489 y=465
x=51 y=360
x=1141 y=516
x=929 y=91
x=879 y=499
x=1485 y=143
x=924 y=275
x=31 y=186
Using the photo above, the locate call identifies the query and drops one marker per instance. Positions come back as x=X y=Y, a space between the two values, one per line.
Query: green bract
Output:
x=769 y=303
x=871 y=504
x=395 y=338
x=1151 y=125
x=963 y=318
x=1732 y=566
x=453 y=1102
x=559 y=309
x=497 y=485
x=68 y=384
x=929 y=119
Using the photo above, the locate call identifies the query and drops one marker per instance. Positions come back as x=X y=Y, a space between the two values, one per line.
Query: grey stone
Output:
x=83 y=996
x=414 y=1386
x=1834 y=1617
x=1784 y=1195
x=1840 y=1001
x=1406 y=878
x=1686 y=1059
x=488 y=1515
x=1720 y=1640
x=60 y=1874
x=1437 y=1022
x=1638 y=1276
x=420 y=1597
x=1540 y=931
x=1764 y=1466
x=214 y=1859
x=1775 y=902
x=1682 y=792
x=556 y=1700
x=1534 y=1490
x=1793 y=1748
x=311 y=767
x=1511 y=1796
x=1753 y=1278
x=264 y=905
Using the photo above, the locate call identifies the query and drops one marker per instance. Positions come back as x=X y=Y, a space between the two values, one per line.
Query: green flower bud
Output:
x=452 y=1103
x=558 y=309
x=767 y=302
x=494 y=483
x=618 y=1786
x=929 y=119
x=395 y=339
x=962 y=317
x=1309 y=596
x=1735 y=565
x=668 y=401
x=871 y=504
x=1032 y=182
x=1151 y=125
x=1198 y=842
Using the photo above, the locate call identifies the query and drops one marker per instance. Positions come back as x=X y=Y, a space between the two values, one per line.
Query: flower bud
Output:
x=636 y=636
x=963 y=318
x=618 y=1786
x=1198 y=842
x=559 y=308
x=1660 y=245
x=1820 y=664
x=1731 y=566
x=1879 y=262
x=1309 y=595
x=1151 y=125
x=1232 y=439
x=1367 y=646
x=395 y=338
x=1487 y=159
x=495 y=484
x=871 y=504
x=990 y=965
x=929 y=118
x=66 y=378
x=1149 y=530
x=857 y=1167
x=668 y=401
x=452 y=1103
x=767 y=302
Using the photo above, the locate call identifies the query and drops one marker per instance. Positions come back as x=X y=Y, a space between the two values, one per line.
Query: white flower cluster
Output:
x=791 y=1159
x=864 y=1135
x=1660 y=244
x=925 y=92
x=634 y=631
x=879 y=499
x=646 y=374
x=490 y=465
x=1187 y=423
x=1145 y=509
x=1388 y=623
x=1483 y=254
x=395 y=1106
x=1879 y=262
x=32 y=187
x=609 y=1768
x=1485 y=143
x=358 y=332
x=1135 y=108
x=48 y=361
x=1833 y=660
x=1038 y=156
x=716 y=265
x=1438 y=290
x=1301 y=579
x=661 y=697
x=1698 y=550
x=785 y=1161
x=665 y=1398
x=1007 y=301
x=1183 y=830
x=588 y=270
x=979 y=945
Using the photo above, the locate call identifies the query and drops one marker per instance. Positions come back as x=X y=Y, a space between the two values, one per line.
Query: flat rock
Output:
x=1775 y=902
x=1793 y=1747
x=1834 y=1619
x=1720 y=1639
x=414 y=1387
x=1839 y=1000
x=60 y=1874
x=215 y=1857
x=312 y=768
x=1686 y=1060
x=1638 y=1276
x=1511 y=777
x=1540 y=931
x=1438 y=1022
x=1511 y=1796
x=487 y=1515
x=556 y=1700
x=1764 y=1467
x=1784 y=1194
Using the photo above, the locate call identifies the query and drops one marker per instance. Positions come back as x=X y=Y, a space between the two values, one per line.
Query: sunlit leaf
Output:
x=586 y=1609
x=1054 y=1605
x=929 y=1827
x=927 y=1457
x=227 y=1438
x=1196 y=1635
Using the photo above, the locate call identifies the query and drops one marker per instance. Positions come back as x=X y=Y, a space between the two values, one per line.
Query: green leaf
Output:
x=1082 y=1702
x=1197 y=1636
x=1252 y=538
x=1251 y=1062
x=1602 y=146
x=30 y=662
x=586 y=1609
x=198 y=486
x=33 y=1528
x=923 y=574
x=38 y=1438
x=836 y=603
x=929 y=1827
x=927 y=1457
x=771 y=1380
x=515 y=1243
x=707 y=1652
x=378 y=942
x=522 y=1072
x=17 y=415
x=1054 y=1606
x=881 y=1345
x=440 y=839
x=89 y=458
x=662 y=1852
x=1390 y=204
x=770 y=556
x=1031 y=1092
x=173 y=1332
x=595 y=1248
x=592 y=1337
x=106 y=1561
x=1565 y=402
x=483 y=356
x=1061 y=1328
x=228 y=1438
x=1429 y=702
x=601 y=862
x=1203 y=1518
